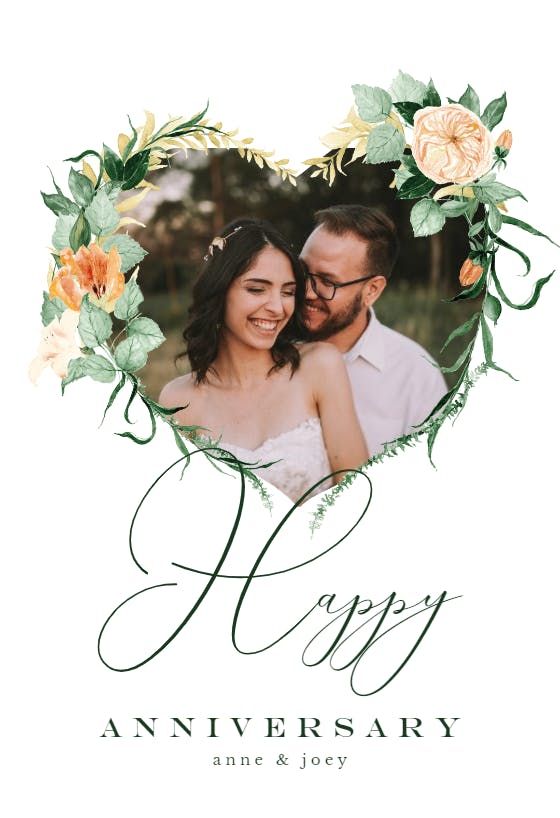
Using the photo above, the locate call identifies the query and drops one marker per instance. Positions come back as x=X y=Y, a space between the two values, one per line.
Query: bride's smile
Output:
x=261 y=301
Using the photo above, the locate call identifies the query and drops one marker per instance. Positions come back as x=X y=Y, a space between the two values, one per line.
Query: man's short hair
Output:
x=370 y=224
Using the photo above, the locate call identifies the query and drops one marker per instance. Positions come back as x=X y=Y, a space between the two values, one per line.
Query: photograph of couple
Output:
x=289 y=363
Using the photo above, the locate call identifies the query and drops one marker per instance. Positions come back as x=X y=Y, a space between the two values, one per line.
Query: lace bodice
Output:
x=301 y=454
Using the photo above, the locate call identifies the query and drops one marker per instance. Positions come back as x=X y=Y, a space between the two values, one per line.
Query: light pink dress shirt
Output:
x=394 y=381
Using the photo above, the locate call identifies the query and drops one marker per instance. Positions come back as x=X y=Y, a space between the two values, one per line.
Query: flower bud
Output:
x=504 y=140
x=469 y=273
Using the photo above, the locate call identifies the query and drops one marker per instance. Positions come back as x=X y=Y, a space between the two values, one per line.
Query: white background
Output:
x=482 y=525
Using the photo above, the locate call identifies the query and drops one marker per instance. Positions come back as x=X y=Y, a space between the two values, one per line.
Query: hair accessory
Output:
x=219 y=242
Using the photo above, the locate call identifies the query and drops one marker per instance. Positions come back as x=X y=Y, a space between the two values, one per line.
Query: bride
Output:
x=251 y=386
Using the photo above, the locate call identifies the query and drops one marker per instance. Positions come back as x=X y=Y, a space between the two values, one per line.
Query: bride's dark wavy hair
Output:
x=246 y=238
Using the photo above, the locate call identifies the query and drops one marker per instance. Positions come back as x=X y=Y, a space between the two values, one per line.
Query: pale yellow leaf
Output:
x=88 y=171
x=170 y=125
x=454 y=190
x=122 y=142
x=502 y=206
x=214 y=140
x=282 y=161
x=218 y=126
x=241 y=152
x=332 y=173
x=147 y=130
x=132 y=201
x=318 y=160
x=292 y=181
x=336 y=140
x=259 y=160
x=315 y=173
x=150 y=185
x=339 y=158
x=357 y=123
x=247 y=140
x=129 y=220
x=360 y=149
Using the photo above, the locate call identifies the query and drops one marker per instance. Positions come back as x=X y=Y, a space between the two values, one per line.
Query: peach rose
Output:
x=450 y=144
x=469 y=273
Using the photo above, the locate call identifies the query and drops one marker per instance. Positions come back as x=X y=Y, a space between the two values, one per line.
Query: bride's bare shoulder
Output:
x=320 y=355
x=178 y=392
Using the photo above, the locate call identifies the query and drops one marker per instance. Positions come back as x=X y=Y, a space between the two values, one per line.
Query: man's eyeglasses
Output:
x=327 y=289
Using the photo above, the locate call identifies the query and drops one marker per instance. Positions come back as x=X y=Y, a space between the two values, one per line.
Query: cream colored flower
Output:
x=58 y=345
x=451 y=144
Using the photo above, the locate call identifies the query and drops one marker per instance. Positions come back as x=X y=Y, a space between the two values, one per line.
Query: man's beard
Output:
x=338 y=322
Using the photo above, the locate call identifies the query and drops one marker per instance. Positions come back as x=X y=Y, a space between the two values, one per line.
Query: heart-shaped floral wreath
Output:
x=449 y=163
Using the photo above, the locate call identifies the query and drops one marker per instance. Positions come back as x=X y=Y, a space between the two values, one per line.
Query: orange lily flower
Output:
x=92 y=271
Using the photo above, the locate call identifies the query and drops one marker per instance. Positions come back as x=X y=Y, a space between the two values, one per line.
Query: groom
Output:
x=349 y=256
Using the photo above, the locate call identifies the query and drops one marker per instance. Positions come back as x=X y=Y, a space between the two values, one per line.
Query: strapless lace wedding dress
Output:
x=301 y=455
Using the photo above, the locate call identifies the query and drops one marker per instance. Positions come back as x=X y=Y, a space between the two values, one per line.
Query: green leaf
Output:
x=113 y=164
x=130 y=401
x=127 y=305
x=494 y=112
x=475 y=229
x=426 y=218
x=95 y=324
x=407 y=110
x=415 y=187
x=373 y=104
x=454 y=208
x=462 y=330
x=88 y=152
x=147 y=331
x=470 y=100
x=62 y=228
x=492 y=307
x=401 y=175
x=113 y=396
x=57 y=188
x=495 y=192
x=431 y=97
x=527 y=227
x=131 y=142
x=470 y=292
x=135 y=169
x=60 y=204
x=101 y=214
x=487 y=342
x=94 y=366
x=494 y=219
x=131 y=354
x=460 y=360
x=112 y=189
x=80 y=234
x=52 y=308
x=129 y=250
x=385 y=144
x=405 y=88
x=80 y=187
x=140 y=440
x=525 y=258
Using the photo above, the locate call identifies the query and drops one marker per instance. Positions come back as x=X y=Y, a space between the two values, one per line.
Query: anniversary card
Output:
x=284 y=415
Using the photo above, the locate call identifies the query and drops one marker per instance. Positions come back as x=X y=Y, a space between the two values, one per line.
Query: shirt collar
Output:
x=369 y=345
